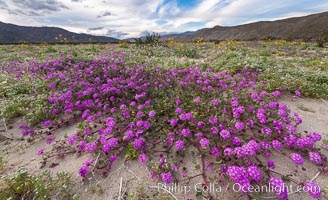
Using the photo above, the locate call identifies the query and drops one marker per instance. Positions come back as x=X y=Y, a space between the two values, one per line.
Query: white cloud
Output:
x=205 y=7
x=169 y=9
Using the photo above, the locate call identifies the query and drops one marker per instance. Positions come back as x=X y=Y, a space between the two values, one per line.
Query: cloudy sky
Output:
x=132 y=18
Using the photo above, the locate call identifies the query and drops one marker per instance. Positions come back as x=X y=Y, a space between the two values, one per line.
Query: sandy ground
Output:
x=129 y=177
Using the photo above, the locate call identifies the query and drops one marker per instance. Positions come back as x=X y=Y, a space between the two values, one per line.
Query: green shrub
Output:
x=44 y=186
x=26 y=98
x=321 y=41
x=148 y=39
x=2 y=164
x=186 y=52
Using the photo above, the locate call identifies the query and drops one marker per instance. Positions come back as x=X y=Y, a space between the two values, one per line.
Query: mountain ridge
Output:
x=307 y=27
x=11 y=33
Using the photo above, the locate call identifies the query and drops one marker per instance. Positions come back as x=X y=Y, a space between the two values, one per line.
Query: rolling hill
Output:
x=308 y=27
x=10 y=33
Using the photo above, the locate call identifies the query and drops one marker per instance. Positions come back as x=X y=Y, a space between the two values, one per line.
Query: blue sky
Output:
x=132 y=18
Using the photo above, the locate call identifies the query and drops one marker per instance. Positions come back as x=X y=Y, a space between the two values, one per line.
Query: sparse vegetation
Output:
x=148 y=39
x=2 y=163
x=27 y=97
x=321 y=42
x=26 y=186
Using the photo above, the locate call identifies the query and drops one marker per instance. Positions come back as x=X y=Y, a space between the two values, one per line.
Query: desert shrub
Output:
x=14 y=109
x=25 y=96
x=26 y=186
x=9 y=87
x=306 y=40
x=235 y=62
x=316 y=64
x=138 y=41
x=215 y=41
x=311 y=84
x=148 y=39
x=2 y=162
x=321 y=41
x=186 y=52
x=35 y=109
x=315 y=85
x=152 y=38
x=265 y=52
x=50 y=49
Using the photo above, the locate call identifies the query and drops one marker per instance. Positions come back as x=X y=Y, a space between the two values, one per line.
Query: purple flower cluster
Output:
x=277 y=145
x=306 y=142
x=71 y=139
x=297 y=158
x=315 y=158
x=316 y=136
x=213 y=120
x=167 y=178
x=254 y=173
x=276 y=93
x=204 y=142
x=228 y=152
x=215 y=151
x=240 y=175
x=179 y=145
x=237 y=111
x=240 y=126
x=248 y=149
x=81 y=145
x=225 y=134
x=261 y=116
x=197 y=100
x=84 y=170
x=50 y=139
x=313 y=189
x=173 y=122
x=236 y=141
x=26 y=130
x=280 y=187
x=185 y=132
x=271 y=164
x=128 y=135
x=215 y=102
x=110 y=122
x=297 y=94
x=185 y=116
x=110 y=144
x=143 y=158
x=90 y=147
x=47 y=123
x=139 y=143
x=41 y=151
x=152 y=114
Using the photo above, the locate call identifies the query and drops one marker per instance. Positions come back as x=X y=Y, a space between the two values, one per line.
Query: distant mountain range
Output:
x=309 y=27
x=10 y=33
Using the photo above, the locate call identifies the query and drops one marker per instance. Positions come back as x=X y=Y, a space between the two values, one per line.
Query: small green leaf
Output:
x=197 y=167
